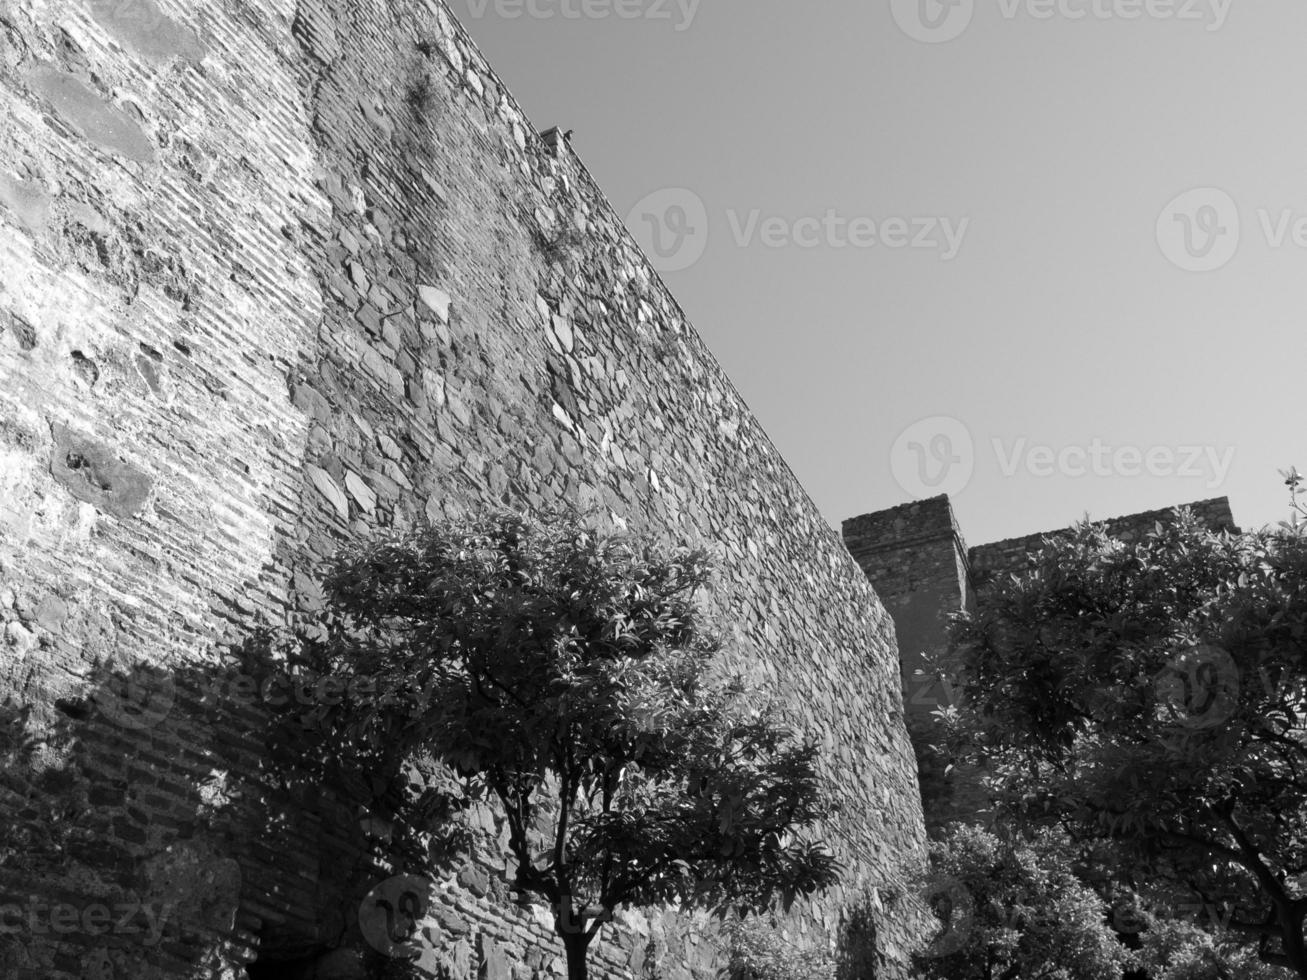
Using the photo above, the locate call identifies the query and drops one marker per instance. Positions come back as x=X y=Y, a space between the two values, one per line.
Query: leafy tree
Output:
x=1014 y=910
x=1153 y=696
x=563 y=675
x=1175 y=949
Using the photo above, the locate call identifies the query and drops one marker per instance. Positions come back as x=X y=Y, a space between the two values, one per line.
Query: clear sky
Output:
x=1084 y=338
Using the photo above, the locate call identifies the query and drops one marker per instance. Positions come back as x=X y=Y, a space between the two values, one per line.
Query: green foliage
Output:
x=1152 y=696
x=1011 y=910
x=1297 y=522
x=562 y=674
x=1174 y=949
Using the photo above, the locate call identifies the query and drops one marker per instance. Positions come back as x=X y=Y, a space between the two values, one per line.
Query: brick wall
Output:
x=275 y=275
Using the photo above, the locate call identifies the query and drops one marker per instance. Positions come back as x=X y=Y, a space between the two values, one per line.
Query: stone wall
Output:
x=1006 y=557
x=277 y=274
x=915 y=557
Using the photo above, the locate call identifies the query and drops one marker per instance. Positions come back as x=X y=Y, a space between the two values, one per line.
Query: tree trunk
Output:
x=575 y=944
x=1295 y=944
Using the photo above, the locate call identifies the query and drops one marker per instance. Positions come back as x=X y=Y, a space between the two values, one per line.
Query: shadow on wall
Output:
x=127 y=852
x=193 y=822
x=758 y=952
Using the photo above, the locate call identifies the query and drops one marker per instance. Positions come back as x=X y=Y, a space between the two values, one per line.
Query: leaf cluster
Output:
x=1011 y=909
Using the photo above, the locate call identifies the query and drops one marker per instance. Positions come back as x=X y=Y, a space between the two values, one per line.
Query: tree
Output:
x=1175 y=949
x=563 y=675
x=1014 y=910
x=1153 y=696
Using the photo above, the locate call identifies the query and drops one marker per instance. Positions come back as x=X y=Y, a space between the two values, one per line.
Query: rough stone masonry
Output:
x=274 y=275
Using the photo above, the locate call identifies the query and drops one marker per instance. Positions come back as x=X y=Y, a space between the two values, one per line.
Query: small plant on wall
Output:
x=557 y=245
x=562 y=674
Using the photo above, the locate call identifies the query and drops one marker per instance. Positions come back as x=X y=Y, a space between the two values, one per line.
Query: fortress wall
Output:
x=1006 y=557
x=275 y=275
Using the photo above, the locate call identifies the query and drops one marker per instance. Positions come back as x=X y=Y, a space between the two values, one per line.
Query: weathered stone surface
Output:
x=329 y=489
x=28 y=201
x=147 y=30
x=436 y=300
x=495 y=964
x=361 y=492
x=104 y=125
x=52 y=613
x=93 y=473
